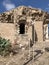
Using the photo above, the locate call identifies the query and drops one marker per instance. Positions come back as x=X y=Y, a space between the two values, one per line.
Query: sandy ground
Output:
x=37 y=55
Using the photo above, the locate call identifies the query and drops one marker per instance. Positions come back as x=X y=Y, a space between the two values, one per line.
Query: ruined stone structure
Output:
x=24 y=24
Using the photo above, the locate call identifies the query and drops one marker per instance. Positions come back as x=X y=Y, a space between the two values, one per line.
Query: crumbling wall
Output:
x=9 y=24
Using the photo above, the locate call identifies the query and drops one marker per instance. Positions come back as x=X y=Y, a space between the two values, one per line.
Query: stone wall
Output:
x=39 y=30
x=7 y=31
x=9 y=24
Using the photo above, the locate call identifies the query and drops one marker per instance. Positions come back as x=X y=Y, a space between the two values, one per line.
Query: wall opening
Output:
x=22 y=28
x=48 y=30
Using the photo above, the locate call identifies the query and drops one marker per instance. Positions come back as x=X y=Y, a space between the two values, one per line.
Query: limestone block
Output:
x=39 y=30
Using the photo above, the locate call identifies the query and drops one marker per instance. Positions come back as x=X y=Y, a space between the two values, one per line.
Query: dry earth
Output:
x=37 y=55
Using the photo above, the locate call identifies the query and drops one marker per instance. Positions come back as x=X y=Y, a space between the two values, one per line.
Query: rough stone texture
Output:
x=24 y=58
x=9 y=28
x=10 y=21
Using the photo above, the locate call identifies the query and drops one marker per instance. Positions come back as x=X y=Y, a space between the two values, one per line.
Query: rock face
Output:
x=11 y=22
x=23 y=12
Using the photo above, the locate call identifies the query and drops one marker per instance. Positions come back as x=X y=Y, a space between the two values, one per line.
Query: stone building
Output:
x=24 y=24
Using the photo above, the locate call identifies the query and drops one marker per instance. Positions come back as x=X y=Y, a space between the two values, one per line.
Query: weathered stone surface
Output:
x=26 y=15
x=23 y=11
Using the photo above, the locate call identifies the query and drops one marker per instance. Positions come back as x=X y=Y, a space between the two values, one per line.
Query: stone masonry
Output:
x=33 y=21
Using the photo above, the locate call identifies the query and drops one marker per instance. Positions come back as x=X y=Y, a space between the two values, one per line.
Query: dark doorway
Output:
x=22 y=28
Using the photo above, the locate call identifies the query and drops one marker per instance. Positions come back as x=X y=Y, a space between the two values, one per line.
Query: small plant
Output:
x=5 y=46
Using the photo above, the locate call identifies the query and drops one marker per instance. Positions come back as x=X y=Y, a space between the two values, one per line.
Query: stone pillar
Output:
x=38 y=26
x=30 y=32
x=47 y=32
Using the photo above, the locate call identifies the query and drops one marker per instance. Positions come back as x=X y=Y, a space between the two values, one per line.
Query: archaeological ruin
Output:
x=24 y=24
